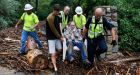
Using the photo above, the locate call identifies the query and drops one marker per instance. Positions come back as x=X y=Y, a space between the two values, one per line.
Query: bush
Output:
x=129 y=27
x=8 y=10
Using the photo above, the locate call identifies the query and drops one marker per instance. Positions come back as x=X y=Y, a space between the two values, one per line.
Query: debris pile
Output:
x=116 y=64
x=125 y=65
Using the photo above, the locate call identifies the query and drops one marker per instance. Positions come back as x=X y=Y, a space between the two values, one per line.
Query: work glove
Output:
x=113 y=42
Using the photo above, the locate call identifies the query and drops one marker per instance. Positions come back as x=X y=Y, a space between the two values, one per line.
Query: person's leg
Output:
x=53 y=58
x=91 y=47
x=102 y=47
x=52 y=51
x=58 y=45
x=70 y=51
x=23 y=42
x=81 y=45
x=36 y=38
x=83 y=52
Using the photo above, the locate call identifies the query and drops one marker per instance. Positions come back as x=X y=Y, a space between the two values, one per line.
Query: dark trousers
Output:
x=96 y=46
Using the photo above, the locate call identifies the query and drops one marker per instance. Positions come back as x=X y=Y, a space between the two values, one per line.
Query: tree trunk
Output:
x=36 y=59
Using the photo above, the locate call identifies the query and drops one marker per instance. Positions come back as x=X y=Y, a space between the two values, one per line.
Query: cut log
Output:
x=36 y=59
x=31 y=43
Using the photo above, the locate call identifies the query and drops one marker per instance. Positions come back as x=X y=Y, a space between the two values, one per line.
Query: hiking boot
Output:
x=99 y=58
x=86 y=62
x=41 y=48
x=21 y=54
x=72 y=59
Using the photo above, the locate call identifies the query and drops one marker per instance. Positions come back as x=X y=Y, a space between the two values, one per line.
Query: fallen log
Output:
x=10 y=39
x=5 y=53
x=126 y=60
x=36 y=59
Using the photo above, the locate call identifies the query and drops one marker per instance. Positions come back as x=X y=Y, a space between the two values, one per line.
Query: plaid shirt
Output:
x=73 y=34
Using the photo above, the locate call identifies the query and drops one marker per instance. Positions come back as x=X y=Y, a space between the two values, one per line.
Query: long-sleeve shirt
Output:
x=73 y=34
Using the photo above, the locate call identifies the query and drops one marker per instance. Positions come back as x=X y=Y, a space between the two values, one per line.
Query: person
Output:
x=65 y=18
x=30 y=22
x=79 y=19
x=95 y=28
x=53 y=34
x=115 y=27
x=74 y=38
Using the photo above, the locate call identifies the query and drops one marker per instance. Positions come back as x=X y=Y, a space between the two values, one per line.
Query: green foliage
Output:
x=8 y=13
x=129 y=27
x=44 y=9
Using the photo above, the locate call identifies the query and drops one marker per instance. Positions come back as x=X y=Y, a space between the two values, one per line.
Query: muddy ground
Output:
x=12 y=64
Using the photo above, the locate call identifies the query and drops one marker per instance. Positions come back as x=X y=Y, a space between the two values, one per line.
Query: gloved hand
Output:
x=113 y=42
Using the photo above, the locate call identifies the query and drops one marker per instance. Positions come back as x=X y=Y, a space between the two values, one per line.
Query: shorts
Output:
x=53 y=45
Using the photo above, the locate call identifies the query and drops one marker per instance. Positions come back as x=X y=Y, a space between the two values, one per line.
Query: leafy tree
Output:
x=8 y=12
x=129 y=27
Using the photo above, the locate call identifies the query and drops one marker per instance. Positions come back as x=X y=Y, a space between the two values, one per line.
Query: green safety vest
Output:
x=93 y=31
x=64 y=20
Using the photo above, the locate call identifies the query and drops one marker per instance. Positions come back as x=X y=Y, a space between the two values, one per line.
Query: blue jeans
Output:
x=24 y=37
x=80 y=45
x=96 y=46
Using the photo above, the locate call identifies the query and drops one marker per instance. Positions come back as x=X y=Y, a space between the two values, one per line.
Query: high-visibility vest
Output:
x=95 y=30
x=64 y=20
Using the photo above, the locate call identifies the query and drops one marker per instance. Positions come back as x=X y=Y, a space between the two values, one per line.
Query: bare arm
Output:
x=61 y=28
x=19 y=22
x=84 y=31
x=52 y=27
x=113 y=34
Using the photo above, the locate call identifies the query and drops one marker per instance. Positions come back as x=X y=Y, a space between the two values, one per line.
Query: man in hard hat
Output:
x=53 y=33
x=79 y=19
x=65 y=18
x=30 y=22
x=95 y=27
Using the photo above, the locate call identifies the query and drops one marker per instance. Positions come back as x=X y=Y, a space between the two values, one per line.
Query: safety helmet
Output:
x=28 y=7
x=78 y=10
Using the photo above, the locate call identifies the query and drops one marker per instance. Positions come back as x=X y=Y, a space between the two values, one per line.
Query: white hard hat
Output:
x=28 y=7
x=78 y=10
